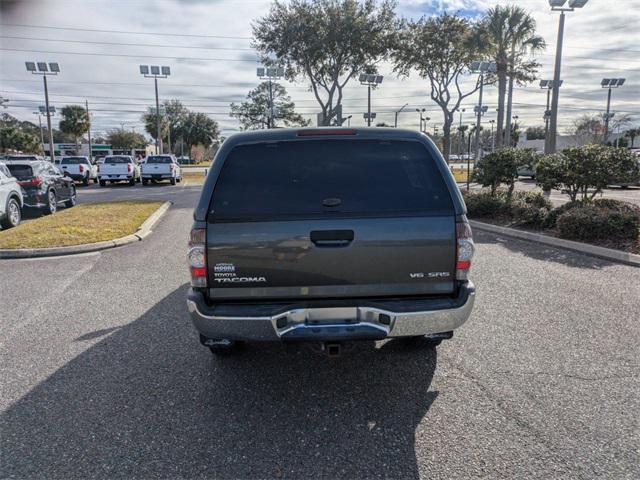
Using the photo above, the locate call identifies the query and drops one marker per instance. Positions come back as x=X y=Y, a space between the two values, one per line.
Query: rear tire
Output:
x=85 y=181
x=52 y=203
x=145 y=182
x=173 y=180
x=95 y=180
x=14 y=214
x=103 y=183
x=73 y=199
x=132 y=182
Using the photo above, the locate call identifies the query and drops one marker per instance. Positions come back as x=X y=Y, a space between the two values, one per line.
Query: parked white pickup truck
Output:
x=79 y=169
x=161 y=167
x=118 y=168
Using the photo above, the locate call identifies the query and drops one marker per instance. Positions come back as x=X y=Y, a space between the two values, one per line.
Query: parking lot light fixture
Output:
x=45 y=69
x=609 y=84
x=395 y=123
x=371 y=81
x=156 y=72
x=480 y=68
x=558 y=6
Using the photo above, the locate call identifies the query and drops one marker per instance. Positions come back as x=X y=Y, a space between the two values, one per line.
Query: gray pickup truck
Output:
x=329 y=235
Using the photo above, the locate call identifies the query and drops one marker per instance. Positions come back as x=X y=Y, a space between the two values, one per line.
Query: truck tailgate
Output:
x=332 y=258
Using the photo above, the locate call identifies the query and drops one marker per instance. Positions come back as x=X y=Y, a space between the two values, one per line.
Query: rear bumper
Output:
x=361 y=321
x=157 y=175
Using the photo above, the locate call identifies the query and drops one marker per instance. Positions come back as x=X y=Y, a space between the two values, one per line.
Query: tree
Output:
x=174 y=115
x=502 y=167
x=150 y=120
x=440 y=49
x=254 y=112
x=535 y=133
x=631 y=134
x=327 y=42
x=198 y=129
x=75 y=122
x=16 y=139
x=125 y=139
x=577 y=169
x=510 y=35
x=587 y=129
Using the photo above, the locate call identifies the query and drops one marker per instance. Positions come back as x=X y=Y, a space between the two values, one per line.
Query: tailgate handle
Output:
x=331 y=238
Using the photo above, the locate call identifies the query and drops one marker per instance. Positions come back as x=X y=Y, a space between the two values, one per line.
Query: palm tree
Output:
x=632 y=133
x=75 y=121
x=511 y=33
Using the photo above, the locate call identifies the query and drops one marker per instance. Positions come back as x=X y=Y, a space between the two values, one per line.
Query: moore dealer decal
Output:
x=226 y=273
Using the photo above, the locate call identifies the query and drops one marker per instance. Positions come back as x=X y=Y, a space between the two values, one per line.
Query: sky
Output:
x=100 y=44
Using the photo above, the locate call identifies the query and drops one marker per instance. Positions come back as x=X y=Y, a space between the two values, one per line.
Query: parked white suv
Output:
x=161 y=167
x=10 y=199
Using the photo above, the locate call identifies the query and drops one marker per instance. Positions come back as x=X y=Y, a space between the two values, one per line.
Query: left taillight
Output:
x=81 y=168
x=129 y=167
x=465 y=249
x=197 y=257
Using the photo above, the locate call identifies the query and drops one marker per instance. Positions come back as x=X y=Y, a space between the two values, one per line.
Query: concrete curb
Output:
x=593 y=250
x=143 y=231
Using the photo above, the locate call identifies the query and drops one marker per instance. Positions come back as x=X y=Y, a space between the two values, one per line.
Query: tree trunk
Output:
x=502 y=87
x=507 y=123
x=446 y=137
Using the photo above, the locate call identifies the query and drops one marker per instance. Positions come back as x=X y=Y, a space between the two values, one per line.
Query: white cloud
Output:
x=600 y=41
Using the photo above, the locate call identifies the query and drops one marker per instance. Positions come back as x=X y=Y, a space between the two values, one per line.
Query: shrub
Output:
x=484 y=204
x=501 y=167
x=552 y=218
x=523 y=208
x=578 y=169
x=529 y=208
x=592 y=222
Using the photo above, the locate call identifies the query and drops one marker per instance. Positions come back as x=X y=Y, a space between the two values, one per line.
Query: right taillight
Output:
x=197 y=257
x=464 y=250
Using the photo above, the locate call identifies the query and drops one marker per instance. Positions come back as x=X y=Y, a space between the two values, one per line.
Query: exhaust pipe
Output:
x=333 y=350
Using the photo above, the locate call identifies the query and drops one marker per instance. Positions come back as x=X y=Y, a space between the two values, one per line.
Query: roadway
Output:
x=103 y=376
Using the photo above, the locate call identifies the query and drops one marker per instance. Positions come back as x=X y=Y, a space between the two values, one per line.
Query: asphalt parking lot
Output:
x=103 y=376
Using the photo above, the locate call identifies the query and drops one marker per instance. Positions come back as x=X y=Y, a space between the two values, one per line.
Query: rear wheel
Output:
x=14 y=214
x=132 y=182
x=145 y=181
x=95 y=180
x=72 y=200
x=85 y=181
x=103 y=183
x=173 y=180
x=52 y=202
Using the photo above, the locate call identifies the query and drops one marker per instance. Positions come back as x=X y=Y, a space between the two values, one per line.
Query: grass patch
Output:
x=197 y=165
x=193 y=178
x=85 y=223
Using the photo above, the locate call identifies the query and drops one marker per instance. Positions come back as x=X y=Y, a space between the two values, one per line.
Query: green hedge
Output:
x=593 y=222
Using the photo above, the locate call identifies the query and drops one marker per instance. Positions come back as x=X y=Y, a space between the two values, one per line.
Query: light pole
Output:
x=420 y=112
x=558 y=6
x=609 y=83
x=480 y=68
x=395 y=123
x=156 y=73
x=371 y=81
x=270 y=74
x=548 y=86
x=45 y=70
